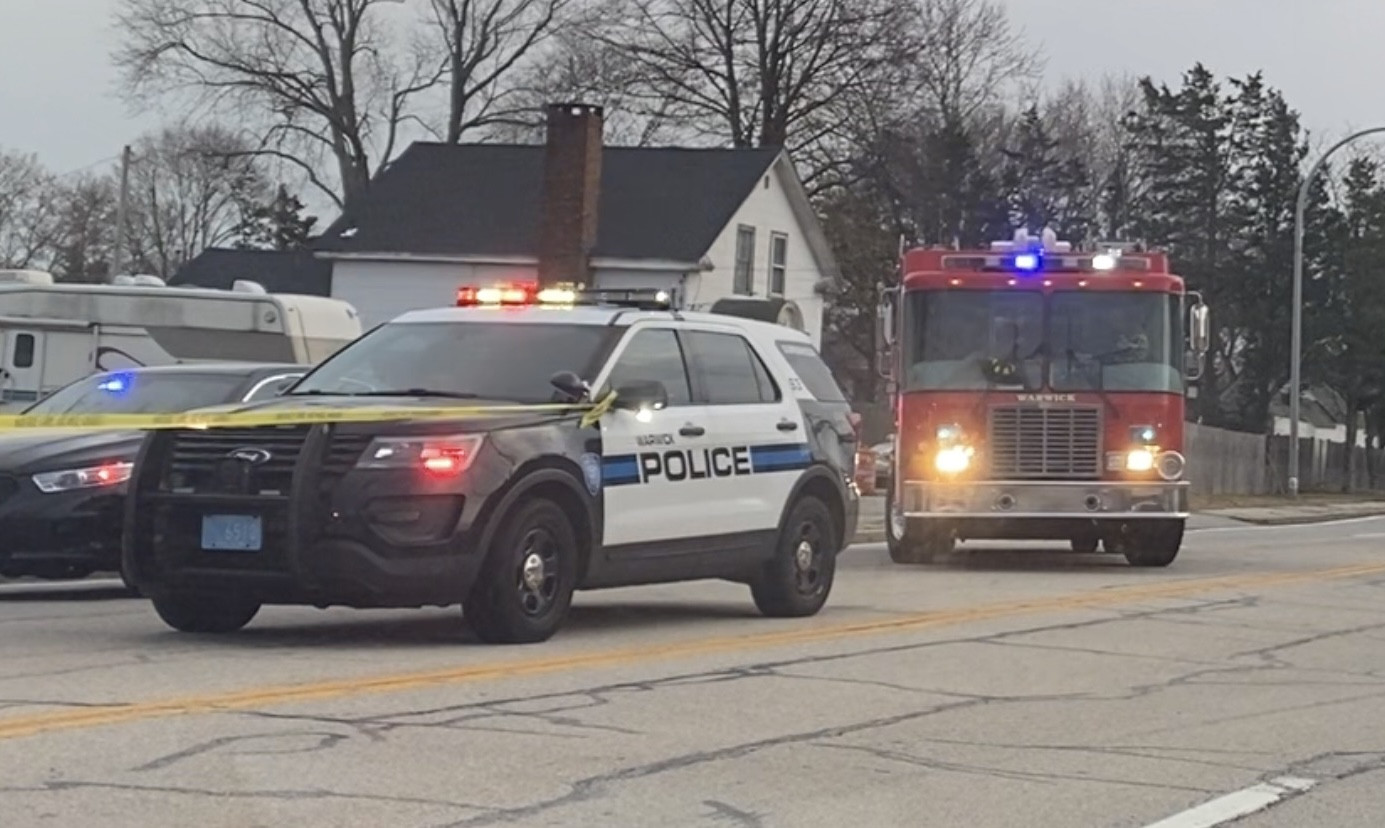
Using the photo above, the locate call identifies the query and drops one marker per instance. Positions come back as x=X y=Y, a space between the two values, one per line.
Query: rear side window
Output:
x=731 y=373
x=805 y=362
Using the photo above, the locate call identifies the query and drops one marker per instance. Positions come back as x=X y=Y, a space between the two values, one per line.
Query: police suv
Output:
x=728 y=454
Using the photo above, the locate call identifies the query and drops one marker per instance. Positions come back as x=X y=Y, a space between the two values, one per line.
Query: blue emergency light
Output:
x=1028 y=262
x=115 y=383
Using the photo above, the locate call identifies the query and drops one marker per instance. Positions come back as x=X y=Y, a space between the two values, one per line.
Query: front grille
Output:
x=1036 y=442
x=201 y=461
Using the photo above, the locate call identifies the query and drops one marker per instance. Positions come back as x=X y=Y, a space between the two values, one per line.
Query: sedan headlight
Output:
x=68 y=480
x=442 y=455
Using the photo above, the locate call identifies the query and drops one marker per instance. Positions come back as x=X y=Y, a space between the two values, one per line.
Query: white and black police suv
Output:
x=728 y=455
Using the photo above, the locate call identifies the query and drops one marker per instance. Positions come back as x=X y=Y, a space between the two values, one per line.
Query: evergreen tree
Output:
x=278 y=224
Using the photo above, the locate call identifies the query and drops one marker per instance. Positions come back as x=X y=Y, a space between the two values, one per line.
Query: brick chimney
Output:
x=571 y=192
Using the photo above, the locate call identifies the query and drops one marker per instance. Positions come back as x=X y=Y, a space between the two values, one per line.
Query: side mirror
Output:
x=1200 y=329
x=642 y=394
x=1192 y=365
x=886 y=326
x=571 y=385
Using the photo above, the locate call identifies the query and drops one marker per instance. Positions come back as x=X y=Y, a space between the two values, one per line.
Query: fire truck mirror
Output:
x=888 y=315
x=1192 y=366
x=1200 y=329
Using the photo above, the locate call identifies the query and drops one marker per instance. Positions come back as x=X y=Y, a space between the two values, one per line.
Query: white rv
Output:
x=51 y=334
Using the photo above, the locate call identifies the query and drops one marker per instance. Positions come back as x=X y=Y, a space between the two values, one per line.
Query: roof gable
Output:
x=666 y=203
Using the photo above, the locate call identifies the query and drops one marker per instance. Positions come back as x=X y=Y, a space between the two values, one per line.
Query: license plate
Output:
x=232 y=533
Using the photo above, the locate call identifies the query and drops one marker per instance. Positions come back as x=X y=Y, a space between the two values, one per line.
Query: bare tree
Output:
x=967 y=58
x=86 y=219
x=191 y=188
x=310 y=79
x=484 y=45
x=28 y=211
x=750 y=72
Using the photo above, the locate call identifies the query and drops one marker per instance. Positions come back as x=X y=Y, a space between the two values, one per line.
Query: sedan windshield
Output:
x=134 y=392
x=511 y=361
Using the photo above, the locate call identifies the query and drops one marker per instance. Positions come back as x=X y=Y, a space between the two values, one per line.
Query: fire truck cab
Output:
x=1039 y=394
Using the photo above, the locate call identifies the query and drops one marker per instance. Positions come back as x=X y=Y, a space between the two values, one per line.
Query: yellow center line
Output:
x=15 y=727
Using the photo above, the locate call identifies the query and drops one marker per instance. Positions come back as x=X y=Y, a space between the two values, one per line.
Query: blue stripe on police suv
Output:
x=626 y=469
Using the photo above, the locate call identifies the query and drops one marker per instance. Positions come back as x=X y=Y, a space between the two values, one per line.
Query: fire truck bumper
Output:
x=1031 y=500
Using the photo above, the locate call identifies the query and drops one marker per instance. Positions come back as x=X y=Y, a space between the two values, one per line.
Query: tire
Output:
x=525 y=586
x=1155 y=544
x=796 y=583
x=910 y=550
x=1086 y=545
x=200 y=613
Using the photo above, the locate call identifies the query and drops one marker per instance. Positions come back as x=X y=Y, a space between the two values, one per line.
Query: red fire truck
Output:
x=1039 y=394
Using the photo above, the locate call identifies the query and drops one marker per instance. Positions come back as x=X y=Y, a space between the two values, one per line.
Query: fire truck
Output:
x=1039 y=394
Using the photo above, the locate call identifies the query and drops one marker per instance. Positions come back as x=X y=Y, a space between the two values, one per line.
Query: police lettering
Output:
x=694 y=464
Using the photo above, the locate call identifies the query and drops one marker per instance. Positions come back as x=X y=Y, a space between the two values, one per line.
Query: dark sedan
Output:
x=61 y=490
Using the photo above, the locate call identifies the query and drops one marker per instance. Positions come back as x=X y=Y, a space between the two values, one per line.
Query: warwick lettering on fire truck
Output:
x=1039 y=395
x=727 y=454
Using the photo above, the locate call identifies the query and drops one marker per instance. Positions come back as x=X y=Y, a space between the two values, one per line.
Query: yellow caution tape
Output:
x=591 y=413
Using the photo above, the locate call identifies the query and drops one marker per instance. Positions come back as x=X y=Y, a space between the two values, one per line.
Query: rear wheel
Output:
x=525 y=587
x=798 y=580
x=201 y=613
x=1155 y=543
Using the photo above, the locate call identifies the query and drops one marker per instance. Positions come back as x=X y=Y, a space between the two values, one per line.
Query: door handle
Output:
x=787 y=425
x=691 y=430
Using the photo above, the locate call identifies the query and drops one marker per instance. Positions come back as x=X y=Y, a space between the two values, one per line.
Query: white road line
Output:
x=1238 y=804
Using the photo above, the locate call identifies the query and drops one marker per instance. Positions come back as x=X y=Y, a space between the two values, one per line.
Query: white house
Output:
x=707 y=223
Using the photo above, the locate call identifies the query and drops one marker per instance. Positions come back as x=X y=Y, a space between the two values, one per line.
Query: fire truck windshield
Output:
x=1075 y=341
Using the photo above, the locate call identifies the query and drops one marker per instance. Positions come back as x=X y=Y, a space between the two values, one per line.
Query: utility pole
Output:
x=1296 y=345
x=121 y=211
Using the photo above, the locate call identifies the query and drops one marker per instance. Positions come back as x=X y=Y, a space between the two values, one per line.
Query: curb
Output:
x=1300 y=520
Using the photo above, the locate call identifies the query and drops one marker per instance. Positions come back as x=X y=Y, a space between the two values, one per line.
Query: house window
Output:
x=778 y=263
x=745 y=261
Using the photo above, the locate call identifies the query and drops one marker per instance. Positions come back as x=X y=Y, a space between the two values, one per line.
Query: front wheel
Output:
x=1152 y=544
x=525 y=587
x=194 y=613
x=920 y=548
x=798 y=580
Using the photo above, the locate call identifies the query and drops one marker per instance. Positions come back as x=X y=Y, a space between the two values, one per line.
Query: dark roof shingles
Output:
x=288 y=271
x=484 y=199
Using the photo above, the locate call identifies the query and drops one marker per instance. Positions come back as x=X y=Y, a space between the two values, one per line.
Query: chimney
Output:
x=571 y=192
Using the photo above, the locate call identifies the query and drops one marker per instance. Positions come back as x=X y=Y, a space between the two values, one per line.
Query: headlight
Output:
x=71 y=479
x=953 y=460
x=443 y=455
x=1140 y=460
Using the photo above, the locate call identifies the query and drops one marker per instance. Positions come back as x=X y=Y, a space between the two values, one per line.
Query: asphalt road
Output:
x=1000 y=688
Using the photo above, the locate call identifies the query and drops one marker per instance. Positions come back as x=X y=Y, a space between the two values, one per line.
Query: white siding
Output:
x=767 y=210
x=383 y=290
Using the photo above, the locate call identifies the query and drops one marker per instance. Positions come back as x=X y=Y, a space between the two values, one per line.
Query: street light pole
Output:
x=1296 y=346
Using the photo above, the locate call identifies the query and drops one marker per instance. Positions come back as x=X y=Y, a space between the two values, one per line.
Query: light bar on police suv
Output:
x=525 y=294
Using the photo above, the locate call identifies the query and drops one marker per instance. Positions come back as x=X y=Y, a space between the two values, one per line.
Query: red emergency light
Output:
x=505 y=293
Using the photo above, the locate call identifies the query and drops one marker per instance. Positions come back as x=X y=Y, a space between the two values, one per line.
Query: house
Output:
x=1322 y=416
x=280 y=271
x=706 y=224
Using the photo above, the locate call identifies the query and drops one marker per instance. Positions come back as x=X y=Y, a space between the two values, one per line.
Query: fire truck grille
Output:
x=1032 y=442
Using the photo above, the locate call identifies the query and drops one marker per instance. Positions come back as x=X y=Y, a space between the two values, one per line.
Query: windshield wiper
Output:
x=418 y=392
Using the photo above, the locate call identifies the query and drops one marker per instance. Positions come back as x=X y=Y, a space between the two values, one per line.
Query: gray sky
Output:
x=57 y=97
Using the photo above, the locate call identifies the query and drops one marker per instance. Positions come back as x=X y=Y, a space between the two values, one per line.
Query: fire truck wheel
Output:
x=1085 y=545
x=1154 y=544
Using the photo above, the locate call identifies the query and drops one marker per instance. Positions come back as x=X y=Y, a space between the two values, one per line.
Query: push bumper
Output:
x=1034 y=500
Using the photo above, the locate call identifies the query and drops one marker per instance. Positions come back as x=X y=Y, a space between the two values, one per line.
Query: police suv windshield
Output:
x=500 y=360
x=1073 y=341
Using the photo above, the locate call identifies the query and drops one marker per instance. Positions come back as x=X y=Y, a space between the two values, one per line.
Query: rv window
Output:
x=23 y=351
x=134 y=392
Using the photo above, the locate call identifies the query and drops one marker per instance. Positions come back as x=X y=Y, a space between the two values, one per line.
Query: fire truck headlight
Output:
x=953 y=459
x=1171 y=465
x=1140 y=460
